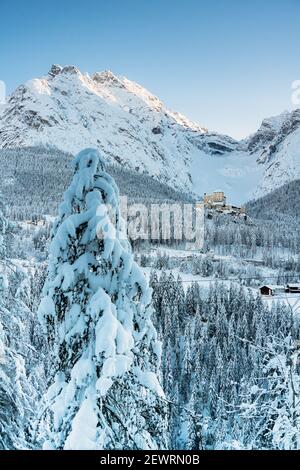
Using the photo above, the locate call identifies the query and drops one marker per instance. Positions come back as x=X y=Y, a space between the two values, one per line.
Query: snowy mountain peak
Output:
x=67 y=69
x=268 y=130
x=55 y=70
x=107 y=78
x=276 y=146
x=71 y=110
x=132 y=127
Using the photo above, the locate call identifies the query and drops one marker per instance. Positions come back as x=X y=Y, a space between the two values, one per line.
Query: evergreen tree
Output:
x=104 y=392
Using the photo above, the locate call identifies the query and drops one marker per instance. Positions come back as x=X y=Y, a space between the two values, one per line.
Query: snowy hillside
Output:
x=132 y=127
x=49 y=172
x=282 y=203
x=70 y=110
x=276 y=146
x=257 y=165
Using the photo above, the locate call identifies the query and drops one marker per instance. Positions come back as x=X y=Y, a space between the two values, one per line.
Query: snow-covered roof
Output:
x=294 y=286
x=272 y=287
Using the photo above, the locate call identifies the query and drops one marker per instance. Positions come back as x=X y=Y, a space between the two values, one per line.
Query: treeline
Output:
x=33 y=181
x=283 y=202
x=262 y=236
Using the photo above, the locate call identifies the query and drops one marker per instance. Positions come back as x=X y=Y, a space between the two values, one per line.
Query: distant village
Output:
x=217 y=202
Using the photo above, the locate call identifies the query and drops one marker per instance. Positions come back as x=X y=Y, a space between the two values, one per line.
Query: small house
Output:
x=270 y=290
x=293 y=288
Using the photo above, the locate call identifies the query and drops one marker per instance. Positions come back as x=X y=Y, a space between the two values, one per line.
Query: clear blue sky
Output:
x=224 y=63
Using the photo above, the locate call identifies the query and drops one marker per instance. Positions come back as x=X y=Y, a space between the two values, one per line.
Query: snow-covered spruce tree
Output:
x=104 y=391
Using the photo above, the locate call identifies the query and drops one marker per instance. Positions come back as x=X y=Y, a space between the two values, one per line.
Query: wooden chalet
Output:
x=270 y=290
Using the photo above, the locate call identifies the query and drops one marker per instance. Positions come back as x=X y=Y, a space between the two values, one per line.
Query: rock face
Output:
x=276 y=146
x=71 y=110
x=268 y=130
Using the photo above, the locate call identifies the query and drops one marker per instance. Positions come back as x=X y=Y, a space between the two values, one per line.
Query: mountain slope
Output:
x=283 y=202
x=132 y=128
x=276 y=146
x=49 y=172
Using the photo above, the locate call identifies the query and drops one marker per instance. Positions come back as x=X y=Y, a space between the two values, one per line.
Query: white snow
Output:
x=84 y=426
x=236 y=173
x=149 y=380
x=46 y=308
